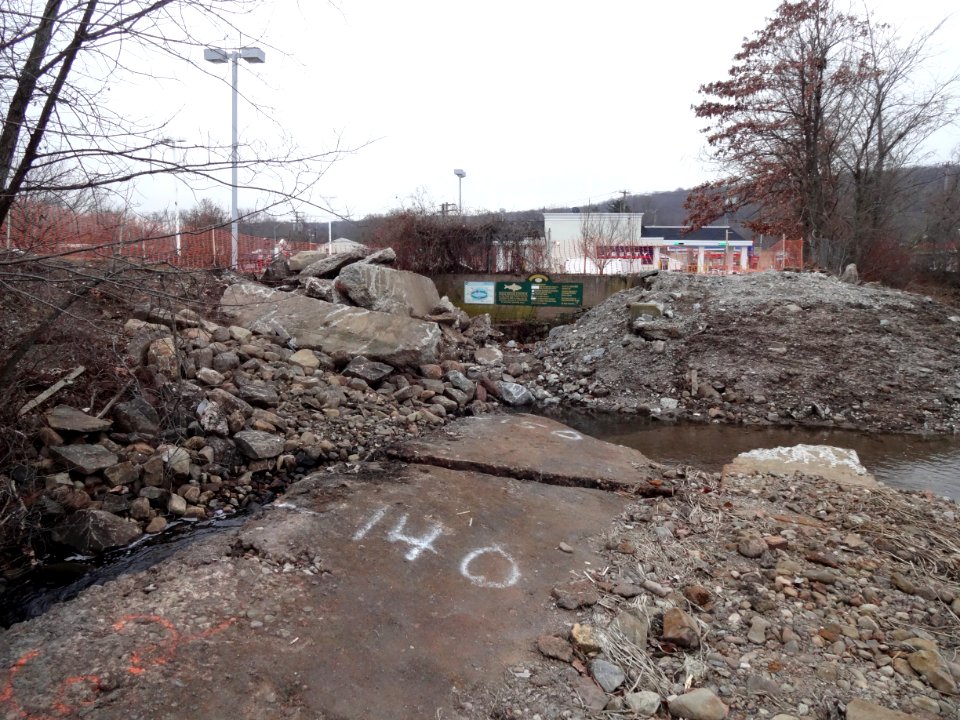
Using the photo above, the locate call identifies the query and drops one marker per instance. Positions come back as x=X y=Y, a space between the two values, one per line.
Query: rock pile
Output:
x=782 y=596
x=761 y=349
x=231 y=412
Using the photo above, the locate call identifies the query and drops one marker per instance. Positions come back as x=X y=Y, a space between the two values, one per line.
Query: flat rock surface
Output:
x=536 y=448
x=431 y=582
x=64 y=417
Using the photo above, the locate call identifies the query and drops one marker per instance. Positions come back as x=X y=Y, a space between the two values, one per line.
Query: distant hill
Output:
x=919 y=187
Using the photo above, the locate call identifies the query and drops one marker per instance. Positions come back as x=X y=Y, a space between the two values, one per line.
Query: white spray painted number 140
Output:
x=424 y=543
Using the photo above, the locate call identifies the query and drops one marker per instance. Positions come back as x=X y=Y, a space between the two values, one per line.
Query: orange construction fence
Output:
x=785 y=255
x=56 y=232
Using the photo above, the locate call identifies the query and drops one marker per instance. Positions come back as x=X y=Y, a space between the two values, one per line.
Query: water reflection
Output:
x=904 y=461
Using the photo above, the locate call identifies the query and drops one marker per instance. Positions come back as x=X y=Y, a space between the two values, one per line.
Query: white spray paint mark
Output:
x=482 y=580
x=283 y=505
x=417 y=544
x=567 y=434
x=377 y=517
x=810 y=455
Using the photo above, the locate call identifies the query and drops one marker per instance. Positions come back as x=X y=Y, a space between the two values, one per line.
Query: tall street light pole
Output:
x=219 y=56
x=461 y=175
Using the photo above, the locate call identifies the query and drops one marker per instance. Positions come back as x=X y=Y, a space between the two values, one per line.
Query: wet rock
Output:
x=69 y=419
x=680 y=629
x=555 y=647
x=607 y=675
x=699 y=704
x=94 y=531
x=258 y=445
x=88 y=459
x=576 y=594
x=644 y=703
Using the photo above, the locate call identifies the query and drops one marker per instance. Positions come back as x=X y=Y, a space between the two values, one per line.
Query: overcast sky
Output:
x=541 y=102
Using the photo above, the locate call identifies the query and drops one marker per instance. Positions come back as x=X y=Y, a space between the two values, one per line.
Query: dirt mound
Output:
x=766 y=348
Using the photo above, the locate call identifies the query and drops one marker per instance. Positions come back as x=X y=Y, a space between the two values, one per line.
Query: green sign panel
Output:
x=547 y=294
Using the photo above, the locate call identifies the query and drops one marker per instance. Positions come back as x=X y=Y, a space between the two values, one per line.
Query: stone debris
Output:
x=827 y=608
x=899 y=373
x=289 y=384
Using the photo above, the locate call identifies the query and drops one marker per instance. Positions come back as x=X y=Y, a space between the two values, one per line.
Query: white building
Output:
x=619 y=244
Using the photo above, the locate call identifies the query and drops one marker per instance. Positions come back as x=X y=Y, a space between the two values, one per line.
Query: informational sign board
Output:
x=537 y=290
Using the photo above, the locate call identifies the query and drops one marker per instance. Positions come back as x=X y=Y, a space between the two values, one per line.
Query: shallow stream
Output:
x=909 y=462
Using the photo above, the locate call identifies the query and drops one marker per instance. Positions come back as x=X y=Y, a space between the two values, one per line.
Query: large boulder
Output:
x=329 y=265
x=377 y=287
x=334 y=329
x=93 y=531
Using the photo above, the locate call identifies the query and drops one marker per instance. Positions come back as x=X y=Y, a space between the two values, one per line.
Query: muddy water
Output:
x=903 y=461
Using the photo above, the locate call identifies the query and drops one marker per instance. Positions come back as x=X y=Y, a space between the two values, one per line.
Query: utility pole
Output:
x=623 y=202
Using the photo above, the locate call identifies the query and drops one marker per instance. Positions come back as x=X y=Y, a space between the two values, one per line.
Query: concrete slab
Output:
x=433 y=582
x=536 y=448
x=840 y=465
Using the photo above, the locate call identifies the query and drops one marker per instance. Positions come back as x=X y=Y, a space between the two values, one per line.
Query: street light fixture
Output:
x=460 y=174
x=219 y=56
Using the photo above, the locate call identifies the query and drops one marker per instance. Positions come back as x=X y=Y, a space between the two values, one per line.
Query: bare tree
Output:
x=605 y=237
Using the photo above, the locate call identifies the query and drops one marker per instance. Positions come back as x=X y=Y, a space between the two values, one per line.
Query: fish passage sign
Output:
x=536 y=290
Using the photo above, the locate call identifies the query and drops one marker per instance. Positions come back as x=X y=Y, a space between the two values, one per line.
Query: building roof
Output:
x=711 y=233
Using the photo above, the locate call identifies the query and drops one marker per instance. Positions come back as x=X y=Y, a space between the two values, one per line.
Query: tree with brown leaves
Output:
x=813 y=126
